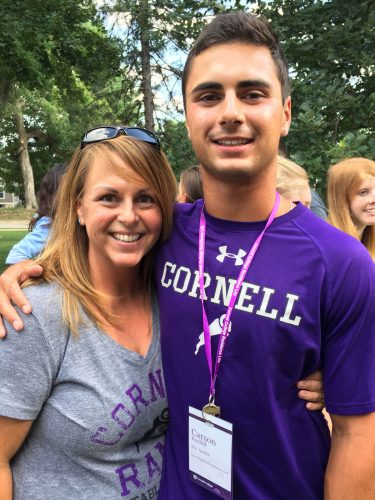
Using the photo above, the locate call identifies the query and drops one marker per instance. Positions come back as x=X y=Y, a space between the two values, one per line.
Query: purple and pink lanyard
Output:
x=225 y=329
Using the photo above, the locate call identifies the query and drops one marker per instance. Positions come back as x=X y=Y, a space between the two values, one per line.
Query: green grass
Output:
x=7 y=240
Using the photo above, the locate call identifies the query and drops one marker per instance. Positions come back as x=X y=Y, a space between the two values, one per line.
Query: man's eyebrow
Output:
x=253 y=83
x=207 y=86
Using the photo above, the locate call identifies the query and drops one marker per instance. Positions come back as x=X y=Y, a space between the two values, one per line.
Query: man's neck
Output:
x=242 y=202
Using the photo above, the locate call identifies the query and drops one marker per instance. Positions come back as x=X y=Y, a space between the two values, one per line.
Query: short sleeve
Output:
x=348 y=344
x=32 y=244
x=27 y=370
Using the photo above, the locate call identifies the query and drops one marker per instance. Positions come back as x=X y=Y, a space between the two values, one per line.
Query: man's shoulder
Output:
x=329 y=240
x=326 y=235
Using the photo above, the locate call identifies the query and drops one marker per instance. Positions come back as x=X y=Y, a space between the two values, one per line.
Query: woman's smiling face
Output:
x=362 y=204
x=121 y=214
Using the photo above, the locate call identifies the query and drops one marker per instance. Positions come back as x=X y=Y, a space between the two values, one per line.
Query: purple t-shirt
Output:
x=307 y=302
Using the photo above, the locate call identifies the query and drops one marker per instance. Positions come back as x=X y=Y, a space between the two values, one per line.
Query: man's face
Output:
x=234 y=110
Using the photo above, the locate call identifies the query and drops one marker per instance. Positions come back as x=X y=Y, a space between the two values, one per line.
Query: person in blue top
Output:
x=33 y=243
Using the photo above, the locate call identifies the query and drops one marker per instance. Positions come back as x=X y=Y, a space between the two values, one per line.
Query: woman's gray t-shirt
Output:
x=100 y=410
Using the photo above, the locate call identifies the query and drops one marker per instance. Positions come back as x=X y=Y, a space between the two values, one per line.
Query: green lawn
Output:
x=7 y=240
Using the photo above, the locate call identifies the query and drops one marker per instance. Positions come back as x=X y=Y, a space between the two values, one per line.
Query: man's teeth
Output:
x=127 y=237
x=237 y=142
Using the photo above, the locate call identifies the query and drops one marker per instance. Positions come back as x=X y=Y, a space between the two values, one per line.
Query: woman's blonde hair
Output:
x=344 y=179
x=290 y=176
x=64 y=258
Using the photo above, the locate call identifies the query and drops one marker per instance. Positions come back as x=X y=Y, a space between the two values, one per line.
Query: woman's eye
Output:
x=146 y=199
x=363 y=192
x=109 y=198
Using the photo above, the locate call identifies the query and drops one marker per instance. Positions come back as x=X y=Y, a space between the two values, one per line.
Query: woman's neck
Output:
x=119 y=287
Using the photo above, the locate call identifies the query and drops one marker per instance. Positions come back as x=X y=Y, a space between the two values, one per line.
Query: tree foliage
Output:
x=177 y=146
x=330 y=47
x=156 y=34
x=56 y=62
x=72 y=74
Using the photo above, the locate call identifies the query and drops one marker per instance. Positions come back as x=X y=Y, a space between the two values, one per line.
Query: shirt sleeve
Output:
x=348 y=345
x=27 y=370
x=32 y=244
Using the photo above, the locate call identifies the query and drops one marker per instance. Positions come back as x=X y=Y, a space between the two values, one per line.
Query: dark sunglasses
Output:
x=99 y=134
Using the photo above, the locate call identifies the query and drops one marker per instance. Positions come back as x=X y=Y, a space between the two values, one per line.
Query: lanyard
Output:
x=225 y=329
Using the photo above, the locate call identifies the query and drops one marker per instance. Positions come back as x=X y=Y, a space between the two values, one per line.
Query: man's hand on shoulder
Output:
x=10 y=290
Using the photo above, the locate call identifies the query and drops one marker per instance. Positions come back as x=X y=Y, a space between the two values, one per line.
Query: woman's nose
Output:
x=128 y=214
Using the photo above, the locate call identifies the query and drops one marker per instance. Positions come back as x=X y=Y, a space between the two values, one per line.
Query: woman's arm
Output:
x=12 y=434
x=311 y=390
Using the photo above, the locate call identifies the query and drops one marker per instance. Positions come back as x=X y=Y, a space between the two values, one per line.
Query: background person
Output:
x=317 y=205
x=190 y=185
x=33 y=243
x=85 y=412
x=292 y=181
x=351 y=199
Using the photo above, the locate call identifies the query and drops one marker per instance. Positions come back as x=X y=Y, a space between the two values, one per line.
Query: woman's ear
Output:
x=81 y=221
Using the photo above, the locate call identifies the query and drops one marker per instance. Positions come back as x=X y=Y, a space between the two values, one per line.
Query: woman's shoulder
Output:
x=44 y=328
x=41 y=290
x=46 y=302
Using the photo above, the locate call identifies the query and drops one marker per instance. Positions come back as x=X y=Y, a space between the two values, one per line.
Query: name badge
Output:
x=210 y=452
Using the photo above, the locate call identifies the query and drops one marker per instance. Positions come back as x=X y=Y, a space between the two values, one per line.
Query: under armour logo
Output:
x=215 y=329
x=224 y=253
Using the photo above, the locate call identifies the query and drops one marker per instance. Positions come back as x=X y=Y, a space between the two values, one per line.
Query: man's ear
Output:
x=188 y=130
x=287 y=116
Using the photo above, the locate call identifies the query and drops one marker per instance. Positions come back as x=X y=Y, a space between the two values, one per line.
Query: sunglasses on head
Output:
x=99 y=134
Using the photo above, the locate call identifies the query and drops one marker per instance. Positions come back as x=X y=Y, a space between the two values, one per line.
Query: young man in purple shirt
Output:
x=306 y=302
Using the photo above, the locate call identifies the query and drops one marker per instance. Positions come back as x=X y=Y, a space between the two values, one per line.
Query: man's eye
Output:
x=252 y=95
x=208 y=98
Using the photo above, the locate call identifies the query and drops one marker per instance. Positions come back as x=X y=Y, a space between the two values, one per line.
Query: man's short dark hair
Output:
x=239 y=27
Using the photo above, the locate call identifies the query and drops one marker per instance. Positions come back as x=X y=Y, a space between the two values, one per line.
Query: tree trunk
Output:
x=148 y=99
x=26 y=168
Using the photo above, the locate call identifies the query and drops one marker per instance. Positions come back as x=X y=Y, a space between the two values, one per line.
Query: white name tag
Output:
x=210 y=453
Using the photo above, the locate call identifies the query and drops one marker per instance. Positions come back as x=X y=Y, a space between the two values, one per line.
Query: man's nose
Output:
x=232 y=109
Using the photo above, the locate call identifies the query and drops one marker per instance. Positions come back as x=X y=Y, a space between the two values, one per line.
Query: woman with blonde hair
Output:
x=351 y=199
x=292 y=181
x=82 y=397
